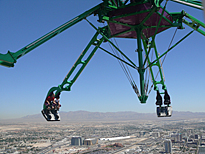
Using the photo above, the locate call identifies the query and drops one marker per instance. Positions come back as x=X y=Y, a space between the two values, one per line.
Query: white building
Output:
x=115 y=138
x=91 y=141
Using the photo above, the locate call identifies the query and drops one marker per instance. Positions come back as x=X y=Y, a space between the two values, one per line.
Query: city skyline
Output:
x=184 y=137
x=102 y=86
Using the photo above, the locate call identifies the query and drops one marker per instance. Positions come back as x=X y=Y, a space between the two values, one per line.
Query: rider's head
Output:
x=57 y=95
x=51 y=94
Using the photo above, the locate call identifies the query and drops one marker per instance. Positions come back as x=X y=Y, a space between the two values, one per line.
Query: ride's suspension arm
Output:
x=66 y=84
x=10 y=58
x=162 y=111
x=191 y=3
x=158 y=64
x=195 y=23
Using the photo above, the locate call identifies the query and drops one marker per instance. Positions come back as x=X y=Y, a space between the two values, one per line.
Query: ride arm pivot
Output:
x=10 y=58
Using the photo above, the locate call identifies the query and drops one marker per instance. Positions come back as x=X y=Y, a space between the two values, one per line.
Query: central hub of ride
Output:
x=123 y=21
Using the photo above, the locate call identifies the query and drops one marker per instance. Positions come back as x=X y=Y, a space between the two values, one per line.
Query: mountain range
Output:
x=85 y=116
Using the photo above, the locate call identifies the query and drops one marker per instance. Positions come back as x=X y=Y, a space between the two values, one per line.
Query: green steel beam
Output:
x=163 y=26
x=113 y=2
x=113 y=7
x=107 y=39
x=148 y=16
x=191 y=3
x=194 y=20
x=157 y=63
x=117 y=3
x=117 y=58
x=66 y=85
x=152 y=63
x=160 y=69
x=195 y=24
x=157 y=2
x=10 y=58
x=164 y=17
x=83 y=63
x=148 y=60
x=130 y=14
x=143 y=97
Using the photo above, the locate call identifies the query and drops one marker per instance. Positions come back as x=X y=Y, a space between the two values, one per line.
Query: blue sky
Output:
x=102 y=86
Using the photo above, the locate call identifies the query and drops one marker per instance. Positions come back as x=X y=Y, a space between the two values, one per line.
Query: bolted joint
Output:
x=155 y=88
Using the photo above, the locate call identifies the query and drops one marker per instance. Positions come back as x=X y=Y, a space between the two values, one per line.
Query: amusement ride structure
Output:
x=136 y=19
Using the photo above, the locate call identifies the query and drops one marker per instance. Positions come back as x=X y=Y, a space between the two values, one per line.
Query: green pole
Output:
x=141 y=69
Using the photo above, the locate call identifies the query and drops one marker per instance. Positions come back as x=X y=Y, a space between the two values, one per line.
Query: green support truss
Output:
x=66 y=84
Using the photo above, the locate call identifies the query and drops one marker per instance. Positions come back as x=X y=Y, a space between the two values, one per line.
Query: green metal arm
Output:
x=118 y=58
x=156 y=63
x=192 y=3
x=10 y=58
x=195 y=23
x=66 y=84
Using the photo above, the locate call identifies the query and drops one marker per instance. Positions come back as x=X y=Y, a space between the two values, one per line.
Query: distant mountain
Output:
x=78 y=116
x=128 y=115
x=107 y=116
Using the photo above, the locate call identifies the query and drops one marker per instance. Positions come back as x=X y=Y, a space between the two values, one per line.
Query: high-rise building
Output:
x=76 y=140
x=176 y=137
x=168 y=146
x=179 y=137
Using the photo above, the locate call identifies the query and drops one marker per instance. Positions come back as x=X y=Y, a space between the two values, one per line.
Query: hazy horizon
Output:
x=78 y=111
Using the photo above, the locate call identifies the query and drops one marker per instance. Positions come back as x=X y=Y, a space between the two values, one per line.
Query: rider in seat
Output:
x=56 y=102
x=48 y=105
x=55 y=106
x=51 y=107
